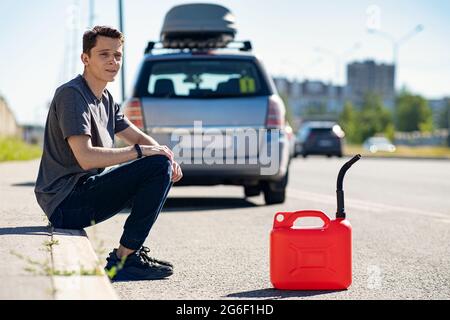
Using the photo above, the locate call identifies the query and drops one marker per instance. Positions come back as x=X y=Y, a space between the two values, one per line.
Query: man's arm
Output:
x=90 y=157
x=132 y=135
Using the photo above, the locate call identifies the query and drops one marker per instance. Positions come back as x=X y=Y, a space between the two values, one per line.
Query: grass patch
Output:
x=402 y=151
x=13 y=149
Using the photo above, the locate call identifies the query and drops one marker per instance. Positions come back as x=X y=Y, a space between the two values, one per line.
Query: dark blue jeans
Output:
x=144 y=184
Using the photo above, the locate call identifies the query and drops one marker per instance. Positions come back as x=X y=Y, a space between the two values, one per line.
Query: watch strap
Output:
x=138 y=150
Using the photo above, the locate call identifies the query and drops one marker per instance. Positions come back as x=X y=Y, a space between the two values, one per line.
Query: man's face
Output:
x=105 y=59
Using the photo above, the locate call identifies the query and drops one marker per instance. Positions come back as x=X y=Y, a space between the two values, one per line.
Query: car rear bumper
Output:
x=318 y=150
x=236 y=172
x=322 y=151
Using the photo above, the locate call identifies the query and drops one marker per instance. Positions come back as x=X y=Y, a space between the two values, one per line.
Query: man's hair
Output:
x=90 y=37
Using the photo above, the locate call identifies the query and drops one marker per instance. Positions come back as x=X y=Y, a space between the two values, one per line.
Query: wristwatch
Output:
x=138 y=150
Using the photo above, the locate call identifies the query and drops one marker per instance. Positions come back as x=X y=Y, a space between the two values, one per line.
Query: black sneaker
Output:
x=144 y=251
x=137 y=266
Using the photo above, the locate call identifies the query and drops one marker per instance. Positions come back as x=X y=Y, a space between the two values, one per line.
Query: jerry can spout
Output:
x=340 y=213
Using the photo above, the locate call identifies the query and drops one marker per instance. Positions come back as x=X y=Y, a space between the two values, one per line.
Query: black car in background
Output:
x=319 y=138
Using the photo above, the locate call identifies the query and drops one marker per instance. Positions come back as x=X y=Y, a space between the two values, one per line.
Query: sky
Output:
x=41 y=41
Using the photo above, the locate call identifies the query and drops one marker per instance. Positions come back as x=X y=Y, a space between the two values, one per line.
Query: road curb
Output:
x=77 y=273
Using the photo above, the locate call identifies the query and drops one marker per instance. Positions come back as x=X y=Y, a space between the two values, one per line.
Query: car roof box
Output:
x=198 y=25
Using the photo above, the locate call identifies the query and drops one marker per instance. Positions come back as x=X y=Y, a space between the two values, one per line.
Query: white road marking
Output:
x=362 y=204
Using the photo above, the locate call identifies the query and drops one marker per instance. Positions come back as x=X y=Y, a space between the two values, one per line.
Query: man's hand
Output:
x=147 y=150
x=154 y=150
x=177 y=174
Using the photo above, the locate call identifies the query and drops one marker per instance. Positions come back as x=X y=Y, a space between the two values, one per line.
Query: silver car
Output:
x=376 y=144
x=202 y=104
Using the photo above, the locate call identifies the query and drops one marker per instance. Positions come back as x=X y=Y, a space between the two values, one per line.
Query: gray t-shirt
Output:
x=75 y=110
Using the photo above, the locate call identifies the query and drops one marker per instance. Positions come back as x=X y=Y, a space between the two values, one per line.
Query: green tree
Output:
x=373 y=118
x=389 y=132
x=348 y=122
x=413 y=113
x=444 y=119
x=444 y=116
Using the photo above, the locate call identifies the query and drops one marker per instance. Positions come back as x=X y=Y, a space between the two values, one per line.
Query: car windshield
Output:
x=379 y=141
x=211 y=78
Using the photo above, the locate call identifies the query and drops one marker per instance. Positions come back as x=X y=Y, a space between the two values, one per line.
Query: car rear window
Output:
x=321 y=130
x=207 y=78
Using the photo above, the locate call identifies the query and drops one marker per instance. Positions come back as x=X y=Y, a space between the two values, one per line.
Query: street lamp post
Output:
x=91 y=13
x=301 y=69
x=339 y=58
x=396 y=42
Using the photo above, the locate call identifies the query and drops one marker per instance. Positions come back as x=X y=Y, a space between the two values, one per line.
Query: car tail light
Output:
x=276 y=113
x=133 y=111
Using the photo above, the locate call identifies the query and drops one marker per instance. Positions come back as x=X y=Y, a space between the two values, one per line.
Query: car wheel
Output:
x=274 y=197
x=275 y=192
x=252 y=191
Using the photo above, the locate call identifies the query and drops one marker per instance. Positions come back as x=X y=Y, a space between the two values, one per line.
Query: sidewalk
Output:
x=37 y=261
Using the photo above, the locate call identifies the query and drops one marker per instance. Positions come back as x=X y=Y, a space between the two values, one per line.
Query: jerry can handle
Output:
x=287 y=219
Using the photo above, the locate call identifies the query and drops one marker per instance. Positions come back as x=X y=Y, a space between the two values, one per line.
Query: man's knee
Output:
x=158 y=164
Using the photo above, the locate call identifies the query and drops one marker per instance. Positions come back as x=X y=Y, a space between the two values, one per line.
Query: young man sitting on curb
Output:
x=72 y=186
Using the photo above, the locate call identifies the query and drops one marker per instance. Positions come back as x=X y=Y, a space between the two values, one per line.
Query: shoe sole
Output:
x=123 y=275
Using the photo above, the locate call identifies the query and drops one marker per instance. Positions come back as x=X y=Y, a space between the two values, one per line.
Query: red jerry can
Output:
x=312 y=258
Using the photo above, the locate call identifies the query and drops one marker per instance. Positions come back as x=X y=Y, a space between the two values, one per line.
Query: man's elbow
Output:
x=84 y=161
x=85 y=167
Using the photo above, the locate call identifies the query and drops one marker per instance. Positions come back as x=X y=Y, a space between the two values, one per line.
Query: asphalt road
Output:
x=219 y=241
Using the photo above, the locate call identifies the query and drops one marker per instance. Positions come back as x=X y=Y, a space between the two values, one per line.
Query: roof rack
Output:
x=197 y=46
